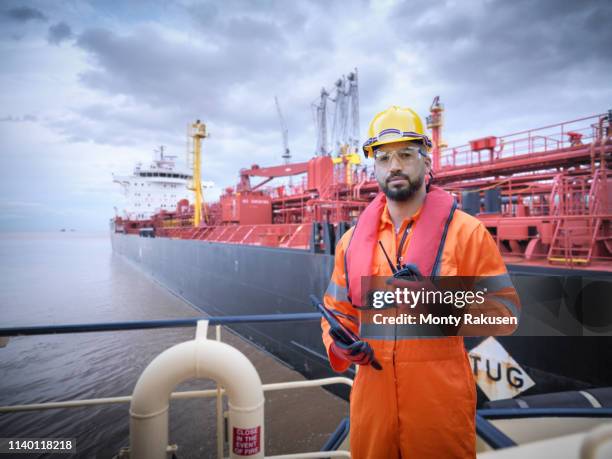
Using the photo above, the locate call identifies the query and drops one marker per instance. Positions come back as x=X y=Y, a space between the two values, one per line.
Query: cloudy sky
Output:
x=88 y=88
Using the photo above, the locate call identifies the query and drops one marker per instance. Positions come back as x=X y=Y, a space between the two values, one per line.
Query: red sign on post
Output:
x=247 y=442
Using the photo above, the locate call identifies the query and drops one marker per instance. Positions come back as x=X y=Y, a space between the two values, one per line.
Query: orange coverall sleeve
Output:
x=482 y=259
x=336 y=299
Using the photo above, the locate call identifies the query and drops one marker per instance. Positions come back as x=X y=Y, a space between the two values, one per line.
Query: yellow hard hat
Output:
x=395 y=124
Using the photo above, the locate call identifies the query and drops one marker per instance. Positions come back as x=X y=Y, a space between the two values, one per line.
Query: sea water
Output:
x=69 y=278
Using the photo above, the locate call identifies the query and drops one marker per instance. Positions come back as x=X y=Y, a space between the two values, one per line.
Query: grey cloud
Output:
x=208 y=12
x=503 y=57
x=145 y=64
x=147 y=68
x=227 y=73
x=231 y=80
x=245 y=28
x=59 y=33
x=204 y=14
x=25 y=13
x=505 y=44
x=238 y=59
x=18 y=119
x=106 y=124
x=268 y=23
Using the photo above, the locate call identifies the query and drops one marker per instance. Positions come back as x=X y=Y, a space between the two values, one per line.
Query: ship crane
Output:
x=197 y=133
x=345 y=130
x=285 y=134
x=320 y=118
x=344 y=123
x=435 y=122
x=284 y=131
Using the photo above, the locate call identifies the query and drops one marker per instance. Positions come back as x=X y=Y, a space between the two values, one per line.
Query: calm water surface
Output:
x=75 y=278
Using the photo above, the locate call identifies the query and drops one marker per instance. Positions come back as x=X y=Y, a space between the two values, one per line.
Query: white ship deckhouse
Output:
x=158 y=186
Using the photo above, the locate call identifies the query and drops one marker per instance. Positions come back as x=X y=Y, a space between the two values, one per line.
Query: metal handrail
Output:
x=490 y=433
x=181 y=395
x=202 y=325
x=153 y=324
x=523 y=143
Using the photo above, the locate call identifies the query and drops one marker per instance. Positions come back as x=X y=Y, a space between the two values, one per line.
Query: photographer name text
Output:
x=432 y=319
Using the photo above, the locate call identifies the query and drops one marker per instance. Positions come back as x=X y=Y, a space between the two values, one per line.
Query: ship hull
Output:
x=232 y=279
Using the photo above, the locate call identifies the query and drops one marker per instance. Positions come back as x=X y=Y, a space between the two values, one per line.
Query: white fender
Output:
x=200 y=358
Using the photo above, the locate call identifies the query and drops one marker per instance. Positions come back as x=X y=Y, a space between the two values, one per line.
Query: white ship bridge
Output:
x=157 y=186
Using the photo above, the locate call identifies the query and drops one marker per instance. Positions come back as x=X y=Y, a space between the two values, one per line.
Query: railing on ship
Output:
x=531 y=142
x=527 y=143
x=219 y=392
x=492 y=436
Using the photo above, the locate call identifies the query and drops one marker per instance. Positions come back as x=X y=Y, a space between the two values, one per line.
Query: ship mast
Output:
x=198 y=132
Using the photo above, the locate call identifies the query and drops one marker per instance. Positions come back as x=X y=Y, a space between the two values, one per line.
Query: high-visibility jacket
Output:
x=422 y=404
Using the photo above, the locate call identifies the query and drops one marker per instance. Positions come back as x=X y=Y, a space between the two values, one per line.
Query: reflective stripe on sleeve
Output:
x=495 y=283
x=336 y=291
x=516 y=312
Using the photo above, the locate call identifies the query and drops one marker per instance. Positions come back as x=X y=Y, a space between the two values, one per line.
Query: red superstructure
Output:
x=544 y=194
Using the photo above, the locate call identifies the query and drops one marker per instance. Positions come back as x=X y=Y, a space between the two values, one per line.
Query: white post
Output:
x=219 y=407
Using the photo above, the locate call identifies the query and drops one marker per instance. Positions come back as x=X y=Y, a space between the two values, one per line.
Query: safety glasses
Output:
x=405 y=155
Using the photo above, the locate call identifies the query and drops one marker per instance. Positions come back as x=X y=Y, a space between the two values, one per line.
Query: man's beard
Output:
x=404 y=193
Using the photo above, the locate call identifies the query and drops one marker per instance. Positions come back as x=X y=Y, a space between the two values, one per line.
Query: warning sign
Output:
x=246 y=442
x=498 y=375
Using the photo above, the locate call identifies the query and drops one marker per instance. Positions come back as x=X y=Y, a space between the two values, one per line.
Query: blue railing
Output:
x=153 y=324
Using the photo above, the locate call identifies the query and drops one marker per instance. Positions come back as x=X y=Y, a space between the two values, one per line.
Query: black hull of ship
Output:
x=230 y=279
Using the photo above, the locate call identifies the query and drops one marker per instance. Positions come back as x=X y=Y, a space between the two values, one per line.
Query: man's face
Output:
x=400 y=169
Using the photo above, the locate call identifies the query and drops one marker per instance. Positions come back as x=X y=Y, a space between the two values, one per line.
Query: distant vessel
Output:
x=155 y=187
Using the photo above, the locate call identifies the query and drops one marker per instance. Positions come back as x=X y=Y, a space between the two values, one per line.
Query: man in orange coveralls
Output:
x=422 y=403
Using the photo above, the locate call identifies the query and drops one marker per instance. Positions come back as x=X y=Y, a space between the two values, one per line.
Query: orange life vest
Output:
x=436 y=215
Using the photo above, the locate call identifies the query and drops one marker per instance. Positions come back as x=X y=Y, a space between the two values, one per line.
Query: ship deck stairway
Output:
x=579 y=203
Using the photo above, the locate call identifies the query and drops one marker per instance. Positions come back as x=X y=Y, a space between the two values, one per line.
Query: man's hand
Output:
x=359 y=352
